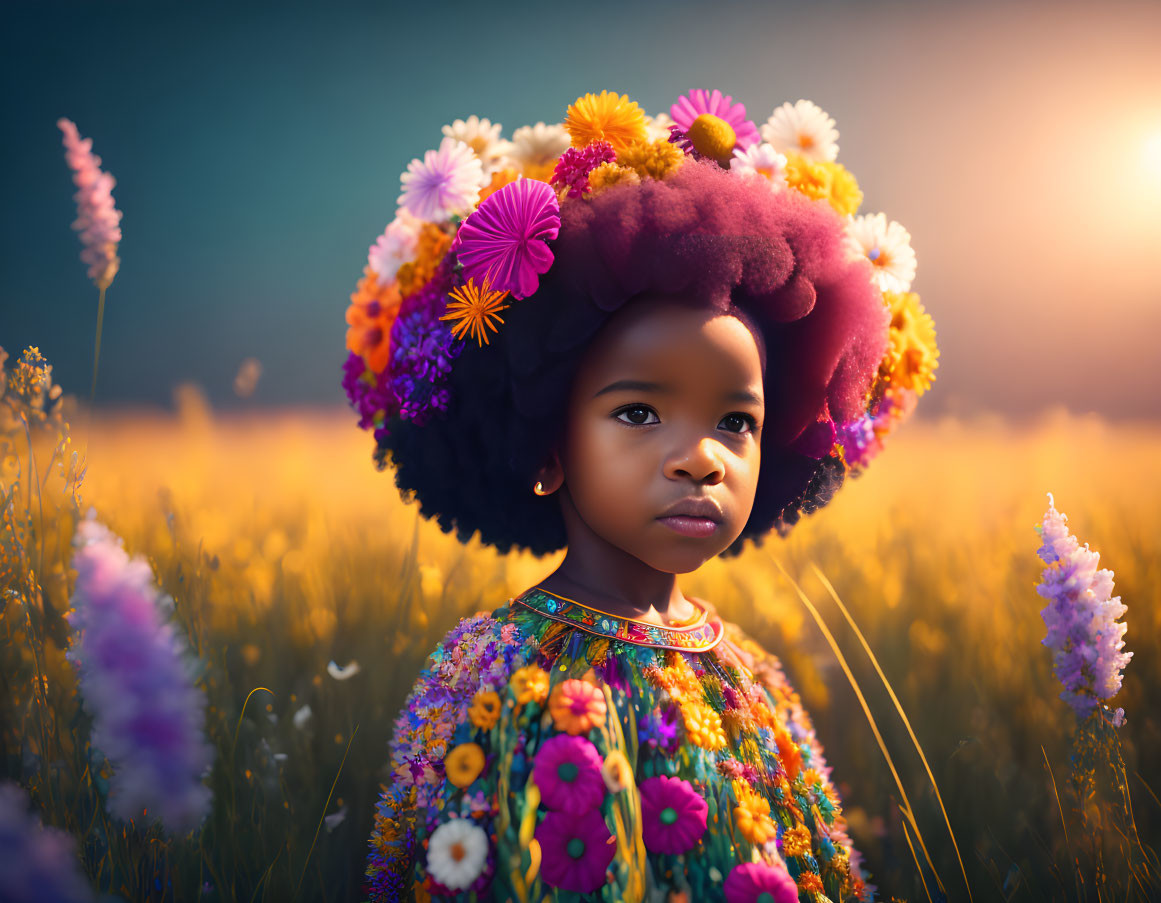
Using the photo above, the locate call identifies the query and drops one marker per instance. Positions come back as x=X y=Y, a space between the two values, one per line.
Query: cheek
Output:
x=601 y=465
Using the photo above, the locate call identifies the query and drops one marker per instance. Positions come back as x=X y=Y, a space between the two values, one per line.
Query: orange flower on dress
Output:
x=788 y=752
x=796 y=841
x=703 y=726
x=464 y=764
x=577 y=706
x=485 y=710
x=810 y=882
x=530 y=684
x=752 y=813
x=370 y=316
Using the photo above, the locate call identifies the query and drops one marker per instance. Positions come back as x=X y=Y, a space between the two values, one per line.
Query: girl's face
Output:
x=667 y=407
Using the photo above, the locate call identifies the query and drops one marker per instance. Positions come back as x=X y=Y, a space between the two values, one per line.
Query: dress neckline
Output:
x=701 y=634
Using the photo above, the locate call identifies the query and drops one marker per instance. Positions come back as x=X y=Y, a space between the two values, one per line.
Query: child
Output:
x=698 y=341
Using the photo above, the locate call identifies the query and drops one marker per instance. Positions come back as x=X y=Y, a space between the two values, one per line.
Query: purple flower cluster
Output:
x=575 y=164
x=36 y=863
x=1083 y=632
x=148 y=715
x=862 y=438
x=369 y=394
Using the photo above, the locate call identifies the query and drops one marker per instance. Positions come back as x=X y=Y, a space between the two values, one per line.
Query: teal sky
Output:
x=257 y=150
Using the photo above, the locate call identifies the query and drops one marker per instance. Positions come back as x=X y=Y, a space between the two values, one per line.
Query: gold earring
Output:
x=539 y=488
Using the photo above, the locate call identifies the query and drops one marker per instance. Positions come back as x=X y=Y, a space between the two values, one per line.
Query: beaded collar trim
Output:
x=700 y=636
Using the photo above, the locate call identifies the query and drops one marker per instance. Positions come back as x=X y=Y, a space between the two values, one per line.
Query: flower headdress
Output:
x=478 y=216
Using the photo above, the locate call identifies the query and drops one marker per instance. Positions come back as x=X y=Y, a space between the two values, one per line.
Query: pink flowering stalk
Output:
x=147 y=713
x=36 y=863
x=1083 y=632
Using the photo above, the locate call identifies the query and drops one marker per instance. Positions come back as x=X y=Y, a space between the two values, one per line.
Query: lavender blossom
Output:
x=147 y=713
x=1083 y=632
x=36 y=863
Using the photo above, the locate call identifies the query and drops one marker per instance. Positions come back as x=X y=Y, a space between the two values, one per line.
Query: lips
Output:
x=695 y=507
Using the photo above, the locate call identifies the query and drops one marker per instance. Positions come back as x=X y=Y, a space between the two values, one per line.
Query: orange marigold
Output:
x=530 y=684
x=607 y=116
x=464 y=764
x=433 y=244
x=752 y=813
x=703 y=726
x=796 y=841
x=608 y=174
x=485 y=710
x=577 y=706
x=810 y=882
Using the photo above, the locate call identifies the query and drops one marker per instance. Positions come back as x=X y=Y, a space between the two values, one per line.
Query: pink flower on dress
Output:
x=98 y=220
x=700 y=101
x=576 y=850
x=567 y=770
x=753 y=881
x=673 y=815
x=577 y=706
x=503 y=243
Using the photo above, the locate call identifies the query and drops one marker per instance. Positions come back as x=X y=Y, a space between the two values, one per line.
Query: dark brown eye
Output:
x=634 y=412
x=744 y=419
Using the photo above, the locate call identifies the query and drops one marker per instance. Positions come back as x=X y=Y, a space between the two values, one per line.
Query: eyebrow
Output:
x=641 y=386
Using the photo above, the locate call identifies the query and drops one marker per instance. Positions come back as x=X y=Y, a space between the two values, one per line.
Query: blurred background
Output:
x=257 y=149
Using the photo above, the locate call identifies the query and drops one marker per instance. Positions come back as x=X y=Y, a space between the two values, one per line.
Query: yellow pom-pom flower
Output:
x=607 y=116
x=703 y=726
x=530 y=684
x=609 y=174
x=652 y=159
x=827 y=181
x=752 y=813
x=912 y=354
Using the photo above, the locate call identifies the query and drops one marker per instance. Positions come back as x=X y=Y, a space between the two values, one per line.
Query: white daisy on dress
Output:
x=398 y=245
x=456 y=853
x=484 y=138
x=762 y=160
x=802 y=128
x=657 y=126
x=445 y=182
x=887 y=246
x=536 y=145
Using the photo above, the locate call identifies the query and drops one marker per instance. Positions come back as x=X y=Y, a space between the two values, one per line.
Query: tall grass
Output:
x=284 y=550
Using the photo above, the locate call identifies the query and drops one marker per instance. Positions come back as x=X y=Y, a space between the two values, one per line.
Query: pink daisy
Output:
x=699 y=101
x=673 y=815
x=576 y=849
x=568 y=772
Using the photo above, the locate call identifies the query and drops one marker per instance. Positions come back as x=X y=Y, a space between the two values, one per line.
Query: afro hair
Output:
x=726 y=242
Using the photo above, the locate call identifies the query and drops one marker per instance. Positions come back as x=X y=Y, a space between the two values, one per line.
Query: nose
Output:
x=701 y=460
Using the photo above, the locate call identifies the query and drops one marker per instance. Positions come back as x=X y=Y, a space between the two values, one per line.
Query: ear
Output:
x=551 y=475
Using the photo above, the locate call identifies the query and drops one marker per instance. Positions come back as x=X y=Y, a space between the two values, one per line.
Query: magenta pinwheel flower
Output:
x=754 y=881
x=1081 y=615
x=700 y=101
x=673 y=815
x=576 y=850
x=567 y=770
x=504 y=242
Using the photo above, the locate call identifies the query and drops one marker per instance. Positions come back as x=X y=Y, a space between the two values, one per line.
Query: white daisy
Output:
x=657 y=126
x=484 y=138
x=535 y=145
x=763 y=160
x=398 y=245
x=802 y=128
x=445 y=182
x=887 y=246
x=456 y=853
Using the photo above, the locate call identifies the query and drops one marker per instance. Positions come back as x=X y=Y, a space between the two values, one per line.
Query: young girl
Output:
x=699 y=340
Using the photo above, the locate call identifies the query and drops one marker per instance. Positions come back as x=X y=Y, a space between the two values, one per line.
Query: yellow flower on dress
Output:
x=912 y=354
x=530 y=684
x=617 y=772
x=577 y=706
x=473 y=309
x=703 y=726
x=752 y=813
x=652 y=159
x=796 y=841
x=607 y=116
x=464 y=764
x=609 y=174
x=485 y=710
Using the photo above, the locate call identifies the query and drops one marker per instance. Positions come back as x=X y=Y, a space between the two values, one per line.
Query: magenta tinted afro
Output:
x=703 y=233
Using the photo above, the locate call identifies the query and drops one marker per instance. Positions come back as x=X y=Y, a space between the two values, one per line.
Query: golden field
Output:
x=284 y=550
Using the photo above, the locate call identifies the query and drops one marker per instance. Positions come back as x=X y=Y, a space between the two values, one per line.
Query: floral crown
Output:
x=478 y=215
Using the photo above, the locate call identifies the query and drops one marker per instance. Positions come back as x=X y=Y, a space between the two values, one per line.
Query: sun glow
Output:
x=1151 y=156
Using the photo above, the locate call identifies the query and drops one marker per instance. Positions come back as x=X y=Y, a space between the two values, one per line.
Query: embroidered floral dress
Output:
x=552 y=752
